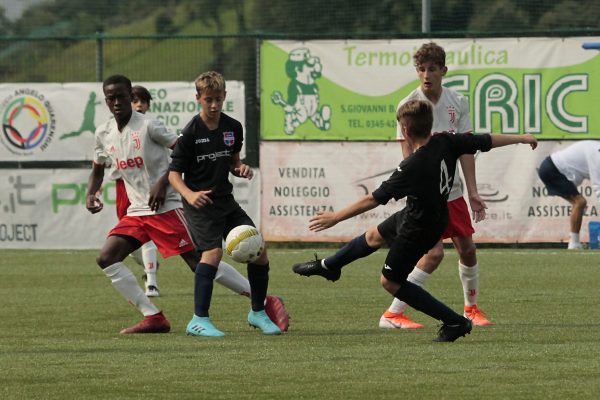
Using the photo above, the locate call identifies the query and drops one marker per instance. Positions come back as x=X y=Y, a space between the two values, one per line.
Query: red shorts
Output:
x=121 y=198
x=167 y=230
x=459 y=220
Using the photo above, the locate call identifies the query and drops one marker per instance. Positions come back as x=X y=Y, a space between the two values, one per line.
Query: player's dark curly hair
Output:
x=417 y=117
x=116 y=80
x=141 y=93
x=430 y=52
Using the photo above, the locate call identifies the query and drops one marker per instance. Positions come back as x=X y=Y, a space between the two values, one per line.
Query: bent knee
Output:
x=374 y=238
x=105 y=260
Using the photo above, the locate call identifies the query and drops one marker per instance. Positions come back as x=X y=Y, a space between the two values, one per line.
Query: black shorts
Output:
x=407 y=244
x=556 y=183
x=210 y=224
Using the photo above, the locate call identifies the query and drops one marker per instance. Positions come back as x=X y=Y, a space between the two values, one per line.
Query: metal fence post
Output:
x=99 y=56
x=425 y=16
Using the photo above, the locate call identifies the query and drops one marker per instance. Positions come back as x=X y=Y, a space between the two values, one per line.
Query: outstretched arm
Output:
x=325 y=220
x=499 y=140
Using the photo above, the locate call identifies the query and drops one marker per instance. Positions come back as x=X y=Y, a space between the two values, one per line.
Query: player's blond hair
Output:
x=417 y=117
x=210 y=80
x=430 y=52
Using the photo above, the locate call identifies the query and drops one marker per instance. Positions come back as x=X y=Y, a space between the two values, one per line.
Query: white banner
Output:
x=45 y=209
x=56 y=122
x=302 y=178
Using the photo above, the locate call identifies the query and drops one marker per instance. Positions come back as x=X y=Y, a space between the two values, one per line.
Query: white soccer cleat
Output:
x=152 y=291
x=575 y=246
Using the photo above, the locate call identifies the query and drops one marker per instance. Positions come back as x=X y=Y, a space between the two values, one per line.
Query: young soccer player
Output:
x=207 y=152
x=450 y=114
x=145 y=255
x=563 y=171
x=139 y=147
x=425 y=178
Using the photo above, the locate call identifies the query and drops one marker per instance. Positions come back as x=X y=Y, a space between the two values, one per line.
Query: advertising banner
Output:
x=45 y=208
x=301 y=179
x=56 y=122
x=349 y=89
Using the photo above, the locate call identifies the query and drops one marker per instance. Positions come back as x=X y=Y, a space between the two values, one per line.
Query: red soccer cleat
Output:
x=276 y=311
x=156 y=323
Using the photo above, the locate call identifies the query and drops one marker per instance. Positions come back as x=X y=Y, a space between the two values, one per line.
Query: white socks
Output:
x=418 y=277
x=232 y=279
x=469 y=276
x=123 y=280
x=574 y=242
x=150 y=262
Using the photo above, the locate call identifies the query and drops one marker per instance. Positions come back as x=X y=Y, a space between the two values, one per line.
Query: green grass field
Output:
x=60 y=321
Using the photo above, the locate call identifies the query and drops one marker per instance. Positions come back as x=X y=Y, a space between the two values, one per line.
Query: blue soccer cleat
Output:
x=260 y=319
x=201 y=326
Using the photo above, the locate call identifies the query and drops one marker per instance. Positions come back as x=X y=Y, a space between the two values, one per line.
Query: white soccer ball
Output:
x=244 y=244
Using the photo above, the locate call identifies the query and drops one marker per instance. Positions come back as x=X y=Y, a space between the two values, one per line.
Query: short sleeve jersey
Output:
x=140 y=154
x=426 y=176
x=450 y=114
x=580 y=161
x=204 y=156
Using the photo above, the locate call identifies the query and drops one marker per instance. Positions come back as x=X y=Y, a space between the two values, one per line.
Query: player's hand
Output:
x=243 y=171
x=323 y=220
x=478 y=207
x=199 y=199
x=93 y=204
x=530 y=140
x=158 y=195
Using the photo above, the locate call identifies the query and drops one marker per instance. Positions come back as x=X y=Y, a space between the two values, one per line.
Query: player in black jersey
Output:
x=206 y=153
x=425 y=179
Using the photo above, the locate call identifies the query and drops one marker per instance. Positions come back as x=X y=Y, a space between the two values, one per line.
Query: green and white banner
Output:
x=45 y=208
x=56 y=122
x=349 y=90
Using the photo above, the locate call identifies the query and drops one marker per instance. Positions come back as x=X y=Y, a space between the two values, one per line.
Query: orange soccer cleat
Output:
x=392 y=320
x=476 y=316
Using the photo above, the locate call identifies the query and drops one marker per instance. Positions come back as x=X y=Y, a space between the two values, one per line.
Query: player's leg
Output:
x=110 y=259
x=150 y=262
x=578 y=205
x=402 y=256
x=226 y=274
x=258 y=273
x=468 y=271
x=394 y=316
x=558 y=185
x=205 y=274
x=330 y=267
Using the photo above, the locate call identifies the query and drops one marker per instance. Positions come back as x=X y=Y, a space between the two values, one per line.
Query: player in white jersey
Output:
x=138 y=147
x=564 y=170
x=146 y=255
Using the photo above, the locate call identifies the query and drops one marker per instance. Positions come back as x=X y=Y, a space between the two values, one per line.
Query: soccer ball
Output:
x=244 y=244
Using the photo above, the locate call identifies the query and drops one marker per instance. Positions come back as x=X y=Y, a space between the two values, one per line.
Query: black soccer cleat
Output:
x=451 y=332
x=315 y=267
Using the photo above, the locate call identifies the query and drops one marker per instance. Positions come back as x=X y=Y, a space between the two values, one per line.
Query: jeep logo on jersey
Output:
x=228 y=138
x=137 y=162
